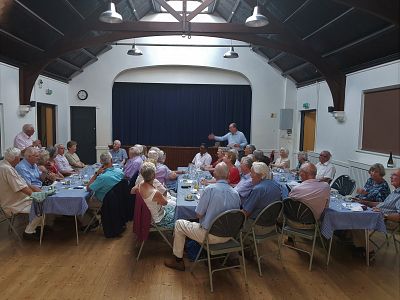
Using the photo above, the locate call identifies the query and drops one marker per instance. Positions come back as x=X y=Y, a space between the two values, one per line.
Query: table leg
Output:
x=329 y=250
x=42 y=229
x=367 y=246
x=76 y=230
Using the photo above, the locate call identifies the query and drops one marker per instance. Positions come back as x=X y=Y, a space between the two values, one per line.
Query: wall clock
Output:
x=82 y=95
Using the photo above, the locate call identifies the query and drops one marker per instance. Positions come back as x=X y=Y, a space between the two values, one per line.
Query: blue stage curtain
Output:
x=178 y=114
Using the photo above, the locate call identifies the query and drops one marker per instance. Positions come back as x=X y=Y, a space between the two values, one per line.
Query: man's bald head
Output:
x=308 y=171
x=221 y=171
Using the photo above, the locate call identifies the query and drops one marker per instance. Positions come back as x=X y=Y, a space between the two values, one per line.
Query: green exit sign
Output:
x=306 y=105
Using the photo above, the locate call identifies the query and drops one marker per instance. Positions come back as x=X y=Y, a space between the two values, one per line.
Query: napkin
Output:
x=352 y=206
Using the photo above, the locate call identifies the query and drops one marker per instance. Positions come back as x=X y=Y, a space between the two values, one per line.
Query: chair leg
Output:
x=329 y=251
x=165 y=238
x=15 y=231
x=11 y=223
x=210 y=274
x=90 y=223
x=42 y=229
x=367 y=246
x=257 y=255
x=312 y=250
x=76 y=231
x=140 y=251
x=197 y=258
x=395 y=241
x=243 y=259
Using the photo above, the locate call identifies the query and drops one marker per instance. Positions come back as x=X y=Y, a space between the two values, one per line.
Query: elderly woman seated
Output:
x=51 y=164
x=134 y=162
x=282 y=161
x=72 y=157
x=162 y=211
x=249 y=149
x=376 y=189
x=47 y=176
x=302 y=158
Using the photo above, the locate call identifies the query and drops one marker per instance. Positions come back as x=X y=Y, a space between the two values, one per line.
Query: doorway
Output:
x=307 y=133
x=46 y=119
x=83 y=131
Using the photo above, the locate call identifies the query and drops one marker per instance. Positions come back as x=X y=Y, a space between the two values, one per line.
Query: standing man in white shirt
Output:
x=325 y=169
x=24 y=139
x=202 y=158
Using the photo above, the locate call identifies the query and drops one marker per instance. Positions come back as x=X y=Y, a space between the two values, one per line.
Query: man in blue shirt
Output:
x=119 y=155
x=265 y=190
x=245 y=185
x=235 y=138
x=216 y=199
x=29 y=170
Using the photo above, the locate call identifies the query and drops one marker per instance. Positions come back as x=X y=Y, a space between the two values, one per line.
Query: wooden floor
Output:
x=102 y=268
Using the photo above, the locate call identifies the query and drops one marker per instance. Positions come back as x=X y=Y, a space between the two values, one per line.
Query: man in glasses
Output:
x=325 y=169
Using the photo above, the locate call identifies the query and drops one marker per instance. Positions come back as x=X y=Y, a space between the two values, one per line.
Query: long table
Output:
x=340 y=217
x=70 y=199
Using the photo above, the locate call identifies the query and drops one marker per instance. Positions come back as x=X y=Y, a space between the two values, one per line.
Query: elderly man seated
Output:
x=103 y=180
x=134 y=162
x=325 y=169
x=202 y=159
x=24 y=139
x=249 y=149
x=29 y=170
x=15 y=192
x=118 y=154
x=61 y=161
x=313 y=193
x=216 y=199
x=390 y=208
x=265 y=190
x=245 y=185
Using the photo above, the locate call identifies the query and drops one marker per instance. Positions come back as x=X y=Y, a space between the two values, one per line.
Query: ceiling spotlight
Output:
x=231 y=53
x=111 y=15
x=134 y=51
x=256 y=19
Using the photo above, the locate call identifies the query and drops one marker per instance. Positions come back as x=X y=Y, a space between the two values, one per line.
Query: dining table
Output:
x=67 y=197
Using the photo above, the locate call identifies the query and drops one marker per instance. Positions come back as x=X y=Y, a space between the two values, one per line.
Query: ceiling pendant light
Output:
x=256 y=19
x=231 y=53
x=111 y=15
x=134 y=51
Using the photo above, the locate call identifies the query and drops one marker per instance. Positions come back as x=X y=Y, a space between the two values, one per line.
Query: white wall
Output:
x=342 y=139
x=9 y=98
x=185 y=65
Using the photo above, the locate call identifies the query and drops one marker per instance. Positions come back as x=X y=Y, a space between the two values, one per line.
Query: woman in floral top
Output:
x=376 y=188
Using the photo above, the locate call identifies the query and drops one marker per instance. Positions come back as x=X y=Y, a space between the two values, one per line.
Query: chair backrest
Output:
x=142 y=219
x=132 y=180
x=344 y=185
x=228 y=223
x=297 y=212
x=268 y=216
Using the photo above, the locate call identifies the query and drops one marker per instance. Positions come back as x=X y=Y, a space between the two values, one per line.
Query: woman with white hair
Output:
x=134 y=162
x=162 y=211
x=283 y=161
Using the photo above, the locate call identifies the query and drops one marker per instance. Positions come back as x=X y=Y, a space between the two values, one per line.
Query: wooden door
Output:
x=46 y=119
x=307 y=138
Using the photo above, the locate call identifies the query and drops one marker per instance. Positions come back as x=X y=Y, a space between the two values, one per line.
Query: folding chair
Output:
x=391 y=234
x=295 y=212
x=10 y=222
x=144 y=224
x=227 y=224
x=266 y=218
x=344 y=185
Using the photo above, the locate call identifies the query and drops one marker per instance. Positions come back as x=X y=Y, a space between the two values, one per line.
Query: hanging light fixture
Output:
x=256 y=19
x=134 y=51
x=231 y=53
x=111 y=15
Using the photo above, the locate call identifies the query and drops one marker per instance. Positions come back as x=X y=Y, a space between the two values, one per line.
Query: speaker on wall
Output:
x=286 y=119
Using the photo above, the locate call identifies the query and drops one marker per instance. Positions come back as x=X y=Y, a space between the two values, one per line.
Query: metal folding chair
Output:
x=155 y=228
x=391 y=234
x=10 y=221
x=344 y=185
x=265 y=219
x=295 y=212
x=226 y=224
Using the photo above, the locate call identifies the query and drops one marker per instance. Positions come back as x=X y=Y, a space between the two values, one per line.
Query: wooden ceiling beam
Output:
x=133 y=8
x=387 y=10
x=169 y=9
x=199 y=9
x=37 y=17
x=87 y=52
x=358 y=41
x=335 y=79
x=68 y=64
x=175 y=27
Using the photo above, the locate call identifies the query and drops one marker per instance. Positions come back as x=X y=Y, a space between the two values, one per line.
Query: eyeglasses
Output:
x=394 y=175
x=323 y=155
